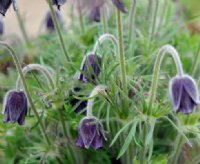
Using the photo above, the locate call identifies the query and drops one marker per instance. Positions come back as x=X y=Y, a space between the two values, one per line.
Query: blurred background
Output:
x=33 y=14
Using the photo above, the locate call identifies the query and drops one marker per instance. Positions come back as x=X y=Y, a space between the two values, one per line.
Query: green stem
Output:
x=132 y=18
x=121 y=52
x=162 y=14
x=163 y=50
x=143 y=151
x=16 y=61
x=80 y=17
x=177 y=149
x=55 y=21
x=104 y=21
x=22 y=28
x=196 y=59
x=154 y=21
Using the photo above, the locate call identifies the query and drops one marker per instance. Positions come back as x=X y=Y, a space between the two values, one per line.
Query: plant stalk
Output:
x=104 y=21
x=132 y=18
x=196 y=59
x=22 y=28
x=55 y=21
x=177 y=149
x=121 y=52
x=18 y=66
x=80 y=17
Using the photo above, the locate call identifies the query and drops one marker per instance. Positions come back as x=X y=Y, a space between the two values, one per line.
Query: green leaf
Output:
x=127 y=141
x=119 y=132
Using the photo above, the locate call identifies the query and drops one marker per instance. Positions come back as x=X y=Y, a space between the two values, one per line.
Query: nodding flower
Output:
x=15 y=107
x=4 y=6
x=90 y=133
x=120 y=5
x=184 y=94
x=90 y=68
x=49 y=20
x=58 y=3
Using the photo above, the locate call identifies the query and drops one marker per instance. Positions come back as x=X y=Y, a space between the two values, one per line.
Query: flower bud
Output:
x=90 y=133
x=49 y=20
x=15 y=107
x=184 y=94
x=90 y=68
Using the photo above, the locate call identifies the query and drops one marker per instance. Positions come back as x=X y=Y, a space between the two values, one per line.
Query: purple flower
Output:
x=91 y=67
x=120 y=5
x=93 y=7
x=49 y=20
x=81 y=104
x=90 y=133
x=184 y=94
x=58 y=3
x=95 y=15
x=4 y=5
x=15 y=107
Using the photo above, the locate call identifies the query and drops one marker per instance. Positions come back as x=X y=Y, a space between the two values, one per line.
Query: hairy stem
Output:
x=163 y=50
x=104 y=21
x=104 y=38
x=16 y=61
x=80 y=17
x=121 y=52
x=196 y=59
x=132 y=18
x=98 y=89
x=22 y=28
x=39 y=68
x=177 y=149
x=55 y=21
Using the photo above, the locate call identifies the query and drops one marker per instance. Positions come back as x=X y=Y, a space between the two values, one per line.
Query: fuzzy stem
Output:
x=104 y=38
x=196 y=59
x=143 y=152
x=163 y=50
x=22 y=28
x=132 y=18
x=121 y=52
x=177 y=149
x=18 y=66
x=39 y=68
x=80 y=17
x=154 y=21
x=98 y=89
x=104 y=21
x=55 y=21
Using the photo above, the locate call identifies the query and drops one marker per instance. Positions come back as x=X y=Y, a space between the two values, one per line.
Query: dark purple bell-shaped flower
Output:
x=81 y=104
x=15 y=107
x=58 y=3
x=4 y=5
x=95 y=15
x=49 y=20
x=91 y=67
x=90 y=133
x=120 y=5
x=184 y=94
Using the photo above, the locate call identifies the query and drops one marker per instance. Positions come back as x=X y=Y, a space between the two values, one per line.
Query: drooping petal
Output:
x=191 y=88
x=176 y=88
x=95 y=15
x=97 y=141
x=87 y=131
x=120 y=5
x=79 y=142
x=1 y=27
x=4 y=5
x=90 y=67
x=187 y=104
